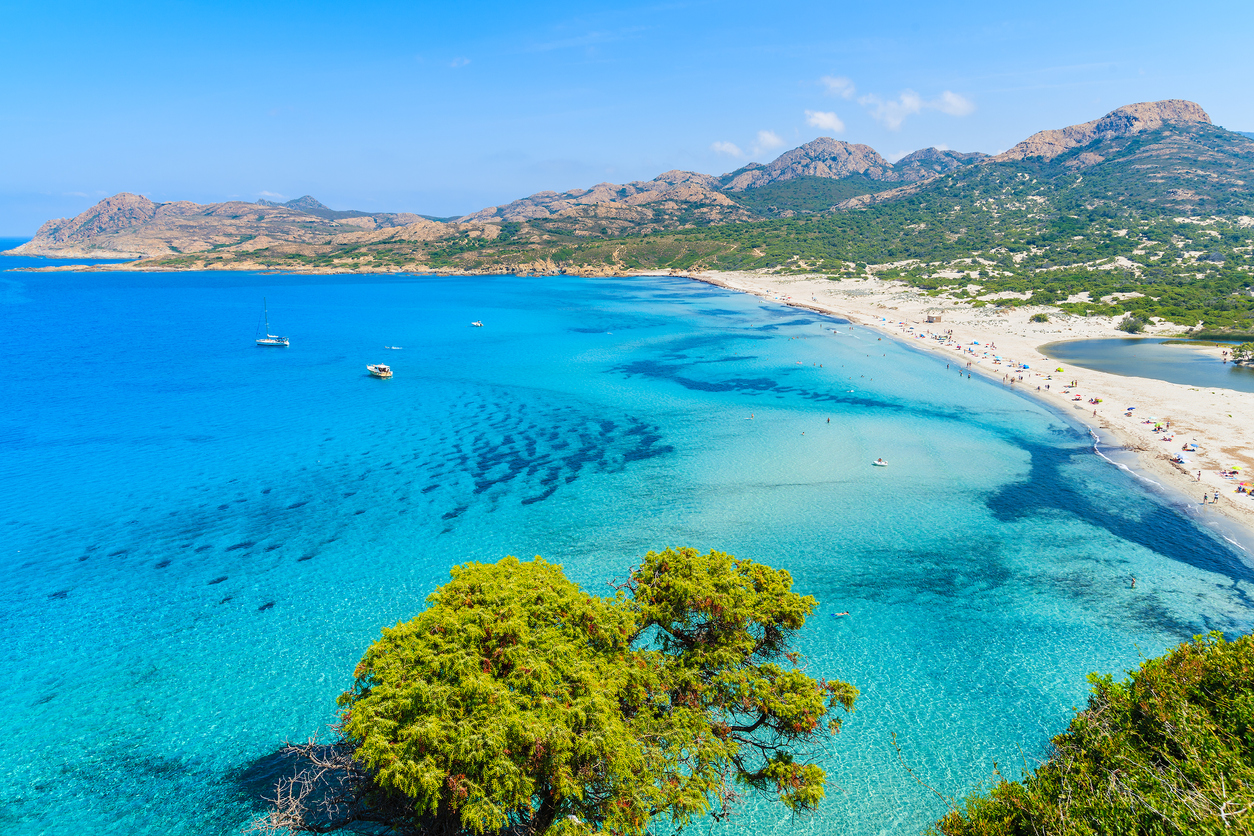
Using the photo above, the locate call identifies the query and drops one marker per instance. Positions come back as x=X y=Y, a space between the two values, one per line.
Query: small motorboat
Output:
x=380 y=370
x=879 y=463
x=477 y=324
x=394 y=347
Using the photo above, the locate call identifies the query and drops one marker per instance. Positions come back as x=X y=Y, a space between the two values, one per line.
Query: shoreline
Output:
x=1223 y=442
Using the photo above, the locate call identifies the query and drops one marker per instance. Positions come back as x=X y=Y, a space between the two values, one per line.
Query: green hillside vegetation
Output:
x=1149 y=225
x=805 y=195
x=1170 y=750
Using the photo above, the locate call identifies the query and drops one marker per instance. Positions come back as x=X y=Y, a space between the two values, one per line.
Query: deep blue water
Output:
x=1157 y=358
x=200 y=537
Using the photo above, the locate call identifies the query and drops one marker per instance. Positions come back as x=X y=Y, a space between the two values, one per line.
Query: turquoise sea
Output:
x=199 y=537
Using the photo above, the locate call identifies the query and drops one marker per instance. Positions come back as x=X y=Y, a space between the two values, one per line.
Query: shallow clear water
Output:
x=1157 y=358
x=200 y=537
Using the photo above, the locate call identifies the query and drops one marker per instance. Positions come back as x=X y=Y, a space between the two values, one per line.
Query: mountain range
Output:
x=1165 y=154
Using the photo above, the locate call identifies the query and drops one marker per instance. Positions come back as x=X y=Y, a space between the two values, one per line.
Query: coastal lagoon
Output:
x=1158 y=358
x=200 y=537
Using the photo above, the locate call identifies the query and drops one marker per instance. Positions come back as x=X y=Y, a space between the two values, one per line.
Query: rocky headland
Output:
x=132 y=226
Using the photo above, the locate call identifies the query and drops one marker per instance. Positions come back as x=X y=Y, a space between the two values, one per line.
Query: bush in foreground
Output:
x=1169 y=751
x=518 y=703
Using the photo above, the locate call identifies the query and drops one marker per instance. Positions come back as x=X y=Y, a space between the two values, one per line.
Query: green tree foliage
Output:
x=518 y=702
x=1169 y=751
x=1244 y=353
x=1132 y=323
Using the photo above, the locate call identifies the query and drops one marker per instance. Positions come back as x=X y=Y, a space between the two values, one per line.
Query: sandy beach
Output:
x=1216 y=419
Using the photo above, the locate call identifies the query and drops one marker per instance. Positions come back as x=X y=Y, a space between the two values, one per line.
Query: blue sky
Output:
x=444 y=109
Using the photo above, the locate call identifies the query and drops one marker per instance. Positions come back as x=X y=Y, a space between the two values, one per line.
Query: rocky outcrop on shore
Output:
x=1121 y=122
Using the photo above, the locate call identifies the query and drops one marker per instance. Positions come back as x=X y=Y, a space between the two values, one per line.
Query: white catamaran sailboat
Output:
x=269 y=339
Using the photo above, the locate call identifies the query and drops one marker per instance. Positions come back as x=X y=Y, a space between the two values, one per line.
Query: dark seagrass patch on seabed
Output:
x=1158 y=528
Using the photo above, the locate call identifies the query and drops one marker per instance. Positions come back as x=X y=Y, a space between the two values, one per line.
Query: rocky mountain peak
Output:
x=936 y=161
x=822 y=157
x=307 y=203
x=1120 y=122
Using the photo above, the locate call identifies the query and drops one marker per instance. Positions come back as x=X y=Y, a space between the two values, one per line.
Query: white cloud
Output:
x=953 y=104
x=838 y=85
x=459 y=62
x=271 y=195
x=825 y=120
x=766 y=141
x=892 y=113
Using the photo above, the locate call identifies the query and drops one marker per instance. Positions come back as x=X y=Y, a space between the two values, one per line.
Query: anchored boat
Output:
x=380 y=370
x=269 y=339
